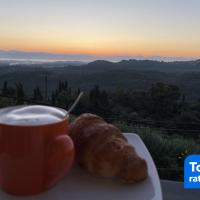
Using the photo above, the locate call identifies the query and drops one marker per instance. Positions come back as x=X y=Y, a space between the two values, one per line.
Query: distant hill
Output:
x=132 y=74
x=42 y=63
x=178 y=66
x=25 y=55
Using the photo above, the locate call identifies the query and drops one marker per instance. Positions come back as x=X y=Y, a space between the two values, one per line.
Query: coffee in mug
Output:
x=35 y=149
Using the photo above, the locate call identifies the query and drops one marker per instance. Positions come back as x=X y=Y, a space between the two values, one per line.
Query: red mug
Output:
x=33 y=157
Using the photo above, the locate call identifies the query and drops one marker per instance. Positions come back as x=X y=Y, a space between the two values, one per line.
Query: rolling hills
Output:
x=128 y=74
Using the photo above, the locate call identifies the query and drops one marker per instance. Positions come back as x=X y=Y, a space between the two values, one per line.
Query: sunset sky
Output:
x=102 y=27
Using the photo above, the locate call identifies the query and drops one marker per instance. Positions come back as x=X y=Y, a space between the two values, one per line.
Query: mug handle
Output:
x=60 y=158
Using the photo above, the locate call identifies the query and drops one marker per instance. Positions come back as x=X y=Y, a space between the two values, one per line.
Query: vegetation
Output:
x=136 y=75
x=167 y=151
x=167 y=123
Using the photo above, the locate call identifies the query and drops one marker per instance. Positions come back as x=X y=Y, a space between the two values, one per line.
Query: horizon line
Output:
x=45 y=55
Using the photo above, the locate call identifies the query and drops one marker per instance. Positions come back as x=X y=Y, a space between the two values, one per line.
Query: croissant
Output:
x=102 y=149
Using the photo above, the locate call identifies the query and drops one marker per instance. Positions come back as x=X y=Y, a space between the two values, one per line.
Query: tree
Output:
x=66 y=85
x=53 y=99
x=37 y=94
x=164 y=100
x=94 y=99
x=20 y=93
x=60 y=86
x=78 y=91
x=99 y=102
x=104 y=98
x=5 y=89
x=63 y=99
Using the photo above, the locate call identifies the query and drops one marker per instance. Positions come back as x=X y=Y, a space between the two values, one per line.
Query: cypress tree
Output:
x=20 y=93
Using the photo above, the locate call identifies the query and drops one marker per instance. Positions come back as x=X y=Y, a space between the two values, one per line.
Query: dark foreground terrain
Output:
x=131 y=74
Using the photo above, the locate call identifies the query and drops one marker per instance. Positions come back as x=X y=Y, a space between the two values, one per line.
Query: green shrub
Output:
x=168 y=151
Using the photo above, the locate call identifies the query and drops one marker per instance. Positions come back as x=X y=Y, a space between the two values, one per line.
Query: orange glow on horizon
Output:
x=110 y=52
x=95 y=47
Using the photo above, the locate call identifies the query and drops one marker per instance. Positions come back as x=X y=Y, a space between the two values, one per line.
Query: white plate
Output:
x=80 y=185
